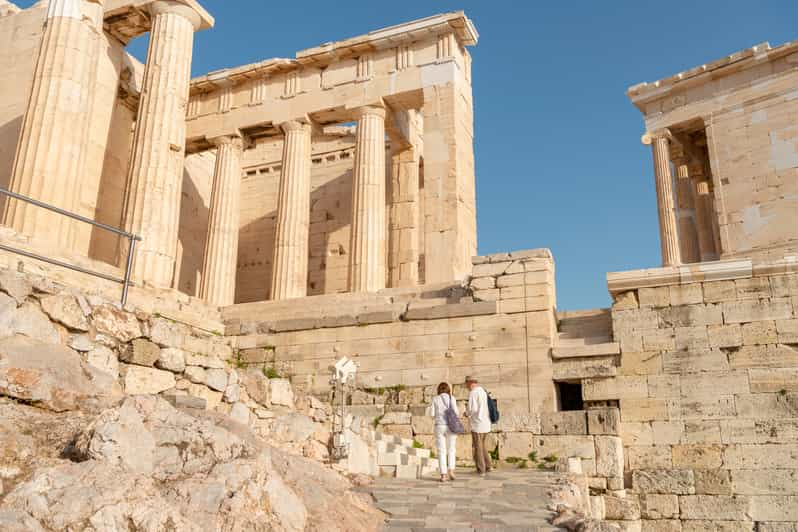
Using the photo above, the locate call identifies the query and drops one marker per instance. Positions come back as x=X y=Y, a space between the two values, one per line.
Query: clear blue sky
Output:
x=558 y=152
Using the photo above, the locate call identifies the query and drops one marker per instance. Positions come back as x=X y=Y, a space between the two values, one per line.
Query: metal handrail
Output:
x=125 y=282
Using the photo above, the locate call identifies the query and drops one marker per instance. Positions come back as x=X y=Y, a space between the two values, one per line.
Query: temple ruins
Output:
x=298 y=210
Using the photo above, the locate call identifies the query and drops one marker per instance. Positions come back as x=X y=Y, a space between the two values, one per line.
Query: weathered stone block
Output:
x=763 y=481
x=620 y=387
x=713 y=482
x=64 y=309
x=564 y=422
x=773 y=380
x=787 y=331
x=664 y=386
x=143 y=380
x=636 y=320
x=659 y=339
x=656 y=506
x=627 y=509
x=720 y=507
x=774 y=508
x=767 y=406
x=692 y=315
x=605 y=421
x=759 y=332
x=686 y=294
x=718 y=291
x=697 y=456
x=661 y=525
x=140 y=352
x=649 y=457
x=520 y=422
x=609 y=457
x=764 y=356
x=641 y=362
x=654 y=297
x=172 y=359
x=725 y=335
x=643 y=409
x=195 y=374
x=664 y=481
x=625 y=300
x=717 y=526
x=767 y=456
x=216 y=379
x=682 y=362
x=757 y=310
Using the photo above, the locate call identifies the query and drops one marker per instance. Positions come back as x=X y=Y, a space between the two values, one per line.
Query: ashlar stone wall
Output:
x=708 y=394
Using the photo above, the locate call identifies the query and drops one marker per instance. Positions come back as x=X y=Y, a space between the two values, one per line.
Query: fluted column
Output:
x=669 y=237
x=290 y=264
x=704 y=215
x=367 y=250
x=685 y=205
x=155 y=178
x=51 y=151
x=218 y=284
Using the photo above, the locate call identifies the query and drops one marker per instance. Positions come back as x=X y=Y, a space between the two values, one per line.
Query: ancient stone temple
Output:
x=298 y=210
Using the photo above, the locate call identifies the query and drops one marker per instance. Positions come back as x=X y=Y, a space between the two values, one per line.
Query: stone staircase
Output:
x=584 y=333
x=397 y=458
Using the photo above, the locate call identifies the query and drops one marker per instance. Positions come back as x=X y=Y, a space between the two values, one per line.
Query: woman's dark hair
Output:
x=443 y=388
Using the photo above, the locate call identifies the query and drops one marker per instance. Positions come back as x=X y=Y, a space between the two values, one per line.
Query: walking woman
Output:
x=447 y=426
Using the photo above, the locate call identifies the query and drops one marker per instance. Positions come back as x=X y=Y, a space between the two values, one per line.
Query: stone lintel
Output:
x=643 y=93
x=127 y=19
x=696 y=273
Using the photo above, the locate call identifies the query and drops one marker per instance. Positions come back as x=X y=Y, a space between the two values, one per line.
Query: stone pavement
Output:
x=506 y=500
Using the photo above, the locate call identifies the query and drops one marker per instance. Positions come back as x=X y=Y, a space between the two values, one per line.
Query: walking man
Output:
x=478 y=415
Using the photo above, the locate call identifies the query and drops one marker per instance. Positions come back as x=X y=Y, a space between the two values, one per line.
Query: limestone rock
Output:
x=232 y=393
x=172 y=359
x=280 y=392
x=195 y=374
x=80 y=342
x=212 y=399
x=145 y=466
x=109 y=321
x=141 y=380
x=64 y=309
x=30 y=321
x=15 y=285
x=240 y=413
x=216 y=379
x=140 y=352
x=52 y=376
x=167 y=333
x=104 y=359
x=256 y=384
x=293 y=427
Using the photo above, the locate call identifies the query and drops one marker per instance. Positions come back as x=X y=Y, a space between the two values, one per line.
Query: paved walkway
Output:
x=512 y=500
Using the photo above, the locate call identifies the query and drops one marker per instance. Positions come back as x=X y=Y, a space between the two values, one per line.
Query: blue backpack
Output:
x=493 y=409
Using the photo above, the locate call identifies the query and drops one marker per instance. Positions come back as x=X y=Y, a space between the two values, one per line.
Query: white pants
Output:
x=447 y=448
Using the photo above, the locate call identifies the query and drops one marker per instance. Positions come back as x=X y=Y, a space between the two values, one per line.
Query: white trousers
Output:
x=447 y=448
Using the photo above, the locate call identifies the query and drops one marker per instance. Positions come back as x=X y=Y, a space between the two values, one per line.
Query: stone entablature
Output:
x=256 y=98
x=730 y=136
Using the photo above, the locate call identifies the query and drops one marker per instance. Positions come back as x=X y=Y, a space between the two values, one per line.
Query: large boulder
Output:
x=52 y=376
x=64 y=309
x=29 y=321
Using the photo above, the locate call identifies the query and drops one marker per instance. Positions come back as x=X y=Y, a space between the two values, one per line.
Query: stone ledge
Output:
x=695 y=273
x=585 y=351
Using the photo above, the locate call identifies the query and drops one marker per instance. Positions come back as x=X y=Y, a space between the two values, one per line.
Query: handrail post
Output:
x=131 y=249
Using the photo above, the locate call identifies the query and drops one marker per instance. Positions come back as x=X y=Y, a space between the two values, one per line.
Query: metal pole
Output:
x=130 y=251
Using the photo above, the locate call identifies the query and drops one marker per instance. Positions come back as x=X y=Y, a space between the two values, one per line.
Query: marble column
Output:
x=51 y=151
x=292 y=234
x=685 y=203
x=704 y=216
x=669 y=237
x=367 y=249
x=218 y=283
x=155 y=178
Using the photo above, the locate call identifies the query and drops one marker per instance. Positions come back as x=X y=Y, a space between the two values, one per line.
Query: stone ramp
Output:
x=398 y=458
x=505 y=500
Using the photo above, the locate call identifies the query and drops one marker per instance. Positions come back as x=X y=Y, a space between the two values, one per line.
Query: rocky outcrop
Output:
x=119 y=419
x=147 y=466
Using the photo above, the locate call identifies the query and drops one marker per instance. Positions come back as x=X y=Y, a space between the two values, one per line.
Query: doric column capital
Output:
x=233 y=139
x=177 y=8
x=370 y=110
x=650 y=136
x=295 y=125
